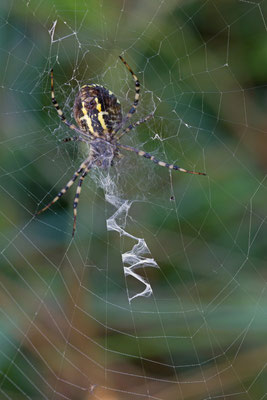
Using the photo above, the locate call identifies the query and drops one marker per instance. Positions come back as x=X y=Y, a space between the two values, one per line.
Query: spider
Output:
x=97 y=111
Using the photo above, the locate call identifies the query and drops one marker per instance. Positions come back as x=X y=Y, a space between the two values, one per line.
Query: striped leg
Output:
x=70 y=139
x=73 y=139
x=69 y=184
x=136 y=97
x=161 y=163
x=60 y=112
x=77 y=196
x=132 y=126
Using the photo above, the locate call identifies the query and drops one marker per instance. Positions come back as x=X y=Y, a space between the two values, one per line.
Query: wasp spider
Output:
x=97 y=111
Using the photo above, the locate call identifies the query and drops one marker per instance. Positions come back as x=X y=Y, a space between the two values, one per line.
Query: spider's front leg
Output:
x=81 y=169
x=142 y=153
x=74 y=139
x=77 y=196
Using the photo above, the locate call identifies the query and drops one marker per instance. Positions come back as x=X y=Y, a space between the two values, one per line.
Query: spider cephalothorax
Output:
x=97 y=112
x=102 y=152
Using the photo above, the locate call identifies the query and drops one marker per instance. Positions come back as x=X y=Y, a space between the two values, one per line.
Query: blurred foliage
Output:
x=66 y=322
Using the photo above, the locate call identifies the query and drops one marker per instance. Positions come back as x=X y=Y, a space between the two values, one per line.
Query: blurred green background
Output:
x=67 y=328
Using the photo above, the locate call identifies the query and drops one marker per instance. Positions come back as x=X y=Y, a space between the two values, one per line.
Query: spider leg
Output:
x=142 y=153
x=73 y=139
x=70 y=139
x=60 y=112
x=136 y=97
x=132 y=126
x=77 y=196
x=82 y=167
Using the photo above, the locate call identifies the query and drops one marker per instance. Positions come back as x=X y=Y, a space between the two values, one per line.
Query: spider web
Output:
x=162 y=292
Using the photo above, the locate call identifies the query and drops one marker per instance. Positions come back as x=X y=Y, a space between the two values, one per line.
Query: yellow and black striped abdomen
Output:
x=97 y=110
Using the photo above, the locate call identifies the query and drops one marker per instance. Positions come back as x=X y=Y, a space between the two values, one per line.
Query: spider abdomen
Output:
x=97 y=110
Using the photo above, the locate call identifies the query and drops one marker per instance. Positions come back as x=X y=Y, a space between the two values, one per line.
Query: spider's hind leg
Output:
x=60 y=112
x=56 y=105
x=132 y=126
x=136 y=97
